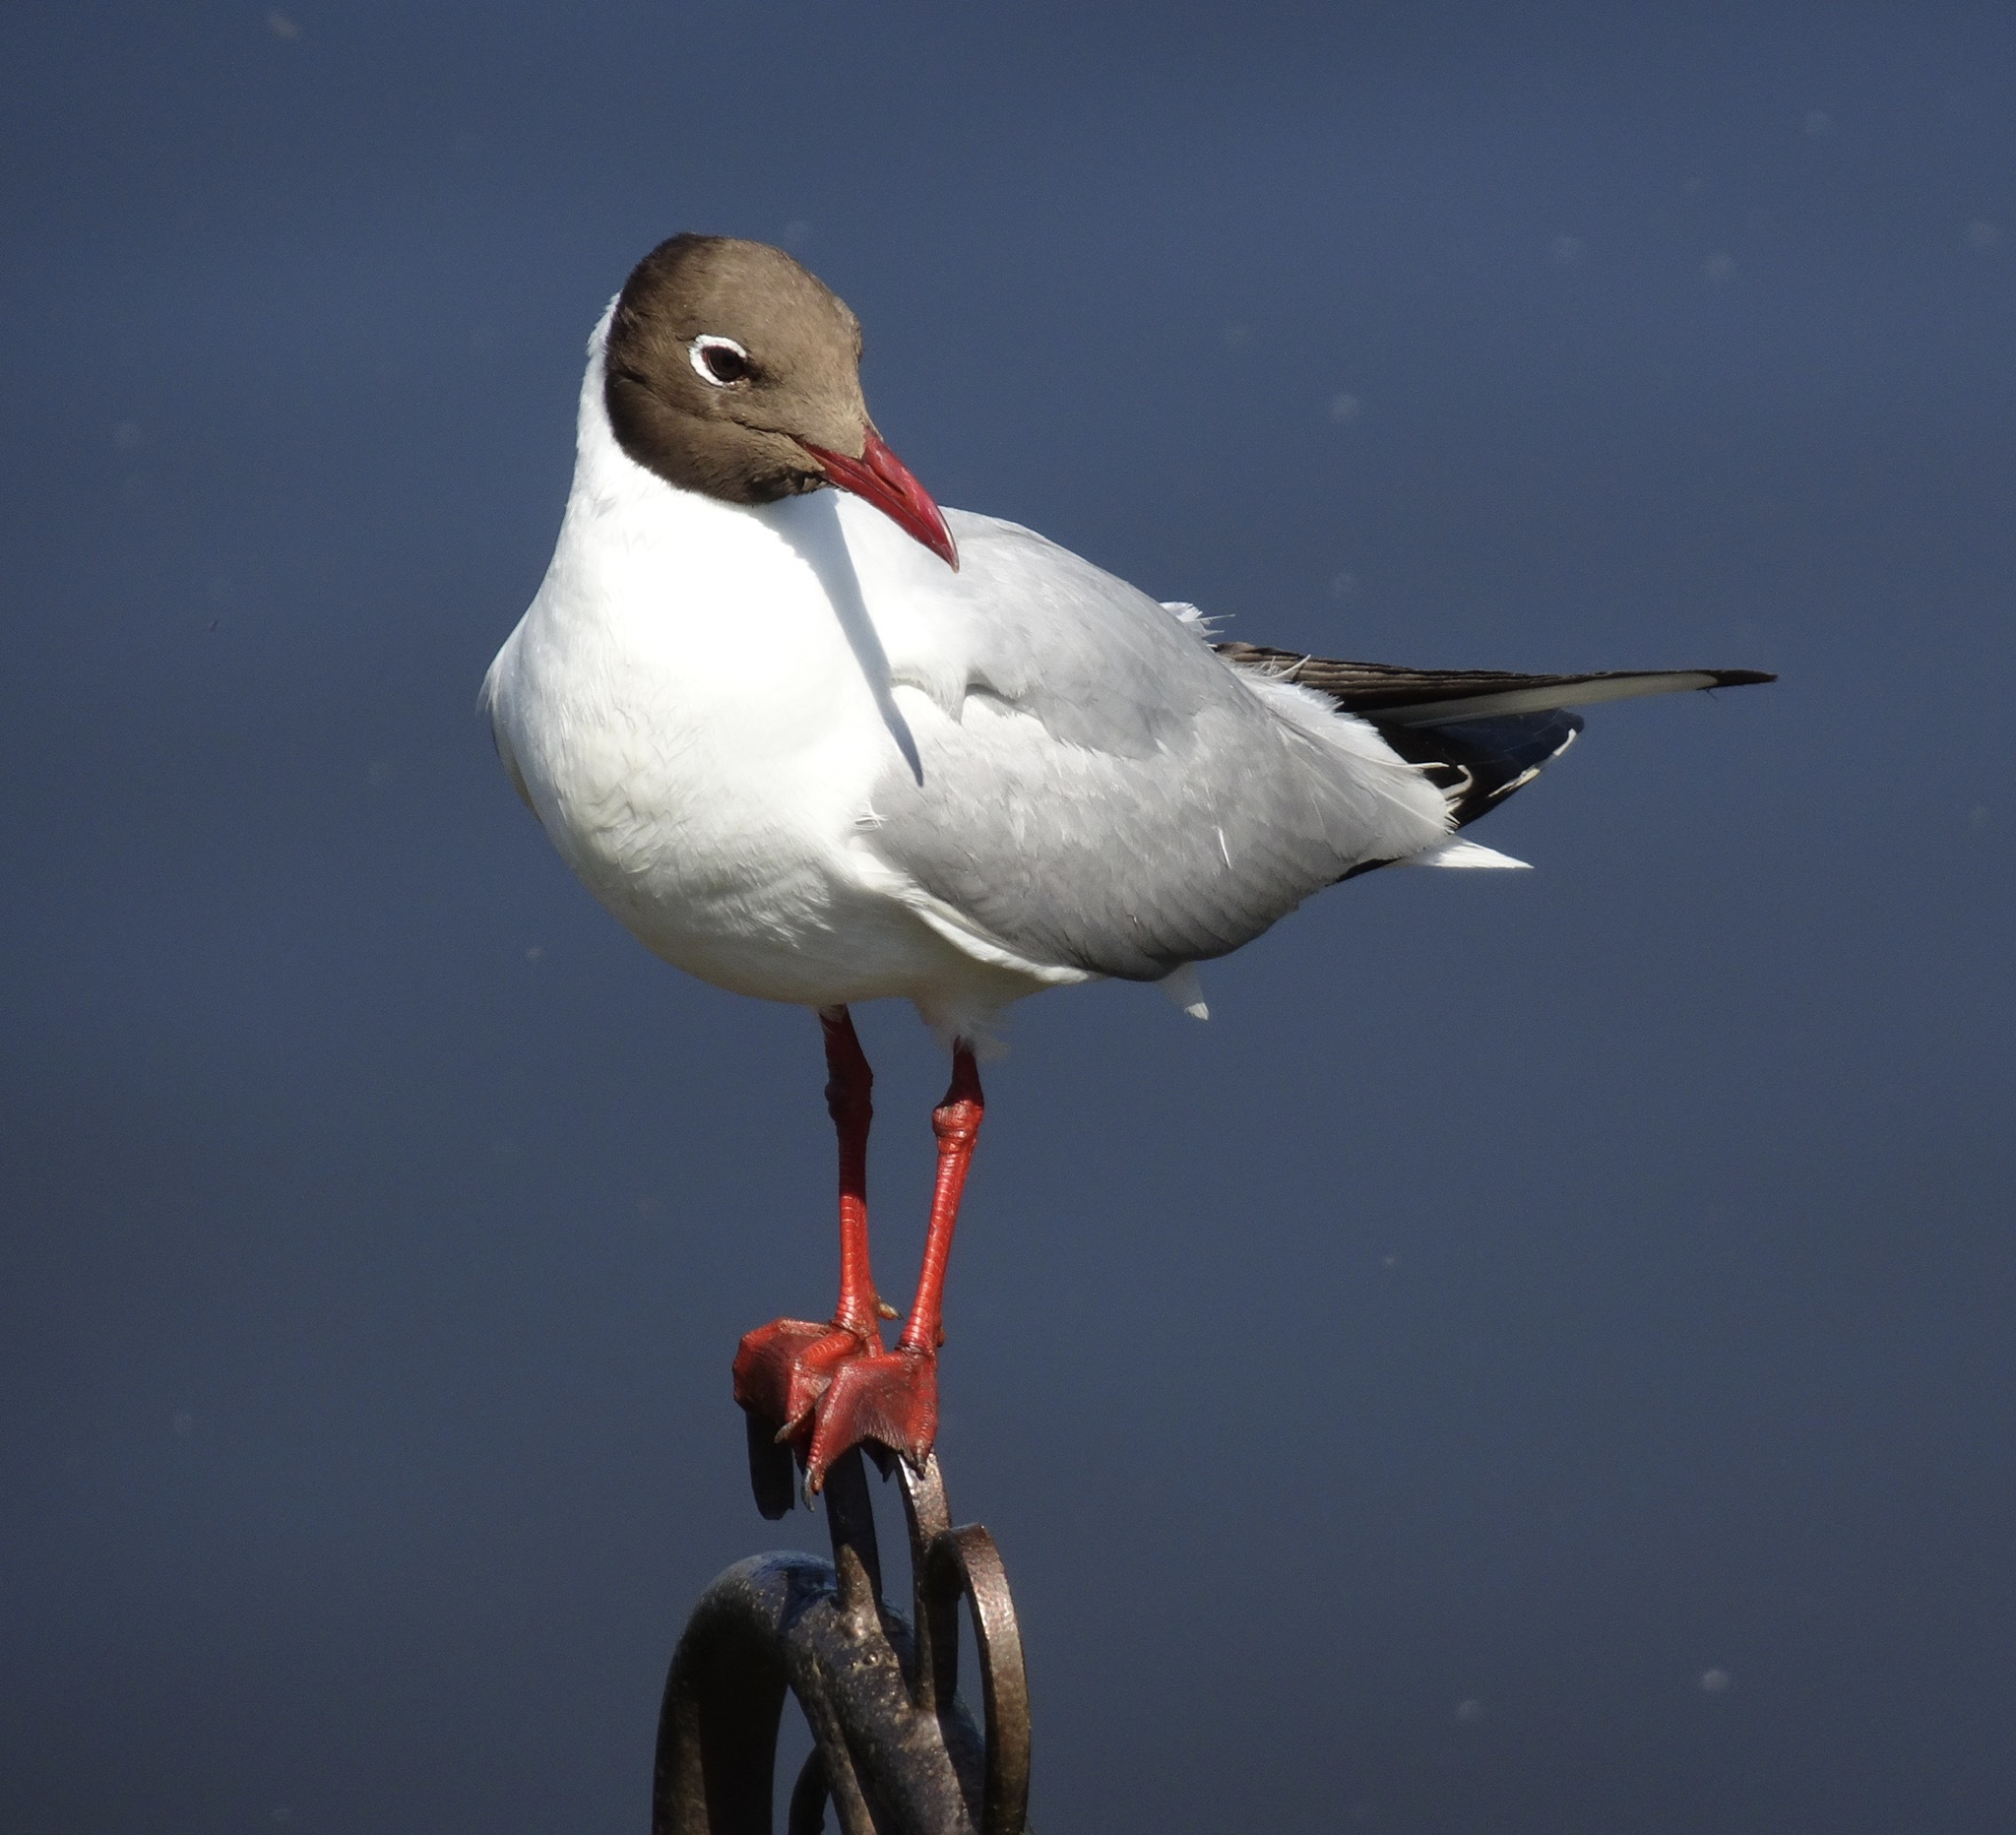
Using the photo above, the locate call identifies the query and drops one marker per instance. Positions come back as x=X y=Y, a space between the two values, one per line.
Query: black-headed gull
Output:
x=825 y=747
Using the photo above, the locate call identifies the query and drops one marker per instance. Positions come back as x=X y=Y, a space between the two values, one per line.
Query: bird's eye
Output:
x=720 y=361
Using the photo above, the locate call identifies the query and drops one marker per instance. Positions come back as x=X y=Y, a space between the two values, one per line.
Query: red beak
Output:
x=883 y=479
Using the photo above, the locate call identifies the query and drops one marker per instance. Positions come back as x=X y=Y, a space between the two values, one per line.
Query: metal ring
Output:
x=895 y=1751
x=965 y=1563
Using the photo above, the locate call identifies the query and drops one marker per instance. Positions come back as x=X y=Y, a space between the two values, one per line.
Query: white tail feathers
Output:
x=1467 y=853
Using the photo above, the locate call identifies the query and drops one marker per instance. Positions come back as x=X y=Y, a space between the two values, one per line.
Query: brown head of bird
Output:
x=732 y=371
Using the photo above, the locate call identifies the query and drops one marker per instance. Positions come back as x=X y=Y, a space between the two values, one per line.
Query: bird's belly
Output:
x=718 y=822
x=743 y=888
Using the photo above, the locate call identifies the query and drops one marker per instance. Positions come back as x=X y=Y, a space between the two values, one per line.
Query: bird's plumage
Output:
x=803 y=757
x=800 y=756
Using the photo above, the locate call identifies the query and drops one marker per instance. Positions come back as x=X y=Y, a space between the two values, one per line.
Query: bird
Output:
x=816 y=741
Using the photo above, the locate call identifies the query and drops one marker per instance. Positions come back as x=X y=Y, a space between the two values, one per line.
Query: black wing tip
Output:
x=1392 y=688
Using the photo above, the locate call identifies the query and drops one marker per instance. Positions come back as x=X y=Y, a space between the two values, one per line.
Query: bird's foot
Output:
x=890 y=1397
x=783 y=1368
x=822 y=1389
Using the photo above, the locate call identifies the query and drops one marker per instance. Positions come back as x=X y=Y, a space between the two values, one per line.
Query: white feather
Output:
x=1467 y=853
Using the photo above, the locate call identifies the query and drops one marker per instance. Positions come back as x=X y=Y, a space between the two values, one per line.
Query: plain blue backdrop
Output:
x=1536 y=1361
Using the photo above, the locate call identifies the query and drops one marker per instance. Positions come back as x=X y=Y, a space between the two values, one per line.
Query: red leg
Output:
x=849 y=1083
x=893 y=1396
x=784 y=1368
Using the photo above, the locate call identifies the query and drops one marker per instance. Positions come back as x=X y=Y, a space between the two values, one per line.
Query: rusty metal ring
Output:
x=964 y=1563
x=895 y=1751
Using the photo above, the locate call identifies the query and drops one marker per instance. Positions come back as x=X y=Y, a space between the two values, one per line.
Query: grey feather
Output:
x=1103 y=792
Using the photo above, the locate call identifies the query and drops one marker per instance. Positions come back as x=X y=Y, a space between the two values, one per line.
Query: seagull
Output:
x=813 y=739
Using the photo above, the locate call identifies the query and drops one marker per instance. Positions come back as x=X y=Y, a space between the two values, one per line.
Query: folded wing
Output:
x=1097 y=792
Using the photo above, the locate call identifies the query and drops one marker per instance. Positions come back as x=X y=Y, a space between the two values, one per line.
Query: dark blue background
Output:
x=1536 y=1293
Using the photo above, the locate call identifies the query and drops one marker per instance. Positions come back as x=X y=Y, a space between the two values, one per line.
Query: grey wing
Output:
x=1111 y=796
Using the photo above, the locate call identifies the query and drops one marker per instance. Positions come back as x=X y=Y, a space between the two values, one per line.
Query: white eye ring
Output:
x=697 y=355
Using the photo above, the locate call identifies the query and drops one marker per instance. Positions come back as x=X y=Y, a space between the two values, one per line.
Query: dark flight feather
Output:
x=1479 y=733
